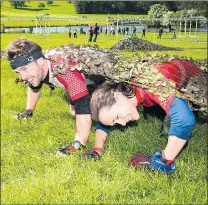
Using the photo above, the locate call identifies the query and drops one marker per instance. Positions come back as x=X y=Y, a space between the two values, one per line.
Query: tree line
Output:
x=21 y=4
x=136 y=7
x=126 y=7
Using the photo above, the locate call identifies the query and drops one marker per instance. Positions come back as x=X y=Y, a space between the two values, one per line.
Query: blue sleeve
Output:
x=182 y=119
x=100 y=126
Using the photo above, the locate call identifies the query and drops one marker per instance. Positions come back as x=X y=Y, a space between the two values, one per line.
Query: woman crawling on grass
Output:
x=116 y=103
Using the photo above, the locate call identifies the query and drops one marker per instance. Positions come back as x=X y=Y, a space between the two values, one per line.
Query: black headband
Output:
x=20 y=61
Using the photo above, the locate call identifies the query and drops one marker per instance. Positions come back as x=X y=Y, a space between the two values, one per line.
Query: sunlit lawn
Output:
x=58 y=10
x=32 y=174
x=191 y=48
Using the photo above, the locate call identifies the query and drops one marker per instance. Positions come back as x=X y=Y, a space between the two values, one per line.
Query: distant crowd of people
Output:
x=170 y=30
x=95 y=30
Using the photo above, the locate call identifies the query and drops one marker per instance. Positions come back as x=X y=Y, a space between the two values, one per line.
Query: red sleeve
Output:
x=148 y=99
x=73 y=81
x=74 y=84
x=164 y=104
x=178 y=71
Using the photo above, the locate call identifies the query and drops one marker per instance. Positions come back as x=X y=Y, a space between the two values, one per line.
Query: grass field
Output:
x=57 y=10
x=191 y=49
x=32 y=174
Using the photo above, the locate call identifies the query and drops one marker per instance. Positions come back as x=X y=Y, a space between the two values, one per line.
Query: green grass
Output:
x=191 y=49
x=59 y=9
x=32 y=174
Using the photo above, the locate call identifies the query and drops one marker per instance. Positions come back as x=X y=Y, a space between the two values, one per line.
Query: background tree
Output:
x=49 y=2
x=171 y=5
x=136 y=7
x=192 y=13
x=200 y=6
x=167 y=18
x=41 y=5
x=121 y=6
x=112 y=7
x=143 y=7
x=17 y=4
x=157 y=11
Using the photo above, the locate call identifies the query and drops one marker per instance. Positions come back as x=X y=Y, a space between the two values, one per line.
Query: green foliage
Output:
x=171 y=5
x=32 y=174
x=140 y=7
x=167 y=16
x=192 y=49
x=49 y=2
x=41 y=5
x=62 y=9
x=201 y=6
x=17 y=4
x=157 y=11
x=143 y=7
x=192 y=13
x=112 y=7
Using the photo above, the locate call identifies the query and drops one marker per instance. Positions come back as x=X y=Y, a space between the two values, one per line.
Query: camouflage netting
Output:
x=2 y=54
x=138 y=44
x=118 y=68
x=113 y=66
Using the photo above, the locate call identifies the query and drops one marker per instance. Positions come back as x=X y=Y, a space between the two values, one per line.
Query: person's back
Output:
x=91 y=34
x=160 y=33
x=81 y=30
x=75 y=33
x=96 y=28
x=91 y=31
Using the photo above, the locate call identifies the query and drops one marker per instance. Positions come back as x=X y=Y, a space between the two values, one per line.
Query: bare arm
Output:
x=32 y=98
x=173 y=147
x=83 y=126
x=100 y=138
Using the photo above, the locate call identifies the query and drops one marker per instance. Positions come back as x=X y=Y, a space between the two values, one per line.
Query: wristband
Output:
x=98 y=150
x=164 y=160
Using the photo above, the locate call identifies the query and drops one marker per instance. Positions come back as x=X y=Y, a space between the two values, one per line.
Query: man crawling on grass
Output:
x=27 y=59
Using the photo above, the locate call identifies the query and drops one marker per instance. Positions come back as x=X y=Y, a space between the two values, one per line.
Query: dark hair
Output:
x=104 y=96
x=21 y=46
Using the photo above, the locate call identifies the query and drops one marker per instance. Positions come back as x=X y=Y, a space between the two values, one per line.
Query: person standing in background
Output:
x=95 y=31
x=143 y=32
x=91 y=34
x=69 y=32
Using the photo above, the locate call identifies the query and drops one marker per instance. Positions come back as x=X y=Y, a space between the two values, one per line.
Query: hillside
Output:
x=57 y=10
